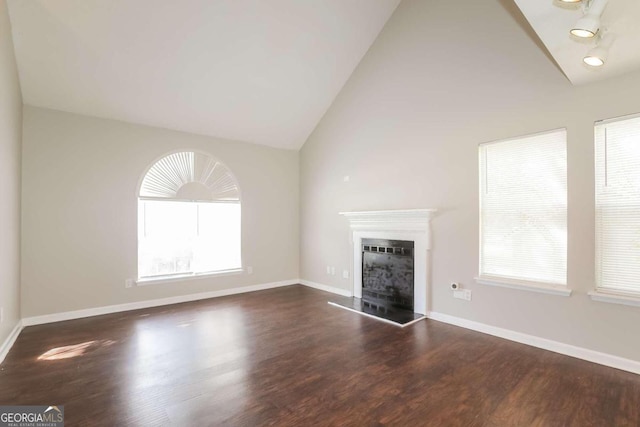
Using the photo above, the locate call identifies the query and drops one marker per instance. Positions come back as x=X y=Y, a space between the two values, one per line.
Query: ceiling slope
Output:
x=247 y=70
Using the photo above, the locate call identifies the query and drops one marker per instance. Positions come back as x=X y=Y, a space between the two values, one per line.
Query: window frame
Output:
x=181 y=277
x=599 y=293
x=515 y=282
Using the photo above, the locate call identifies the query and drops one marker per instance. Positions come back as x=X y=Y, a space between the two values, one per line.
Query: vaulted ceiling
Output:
x=249 y=70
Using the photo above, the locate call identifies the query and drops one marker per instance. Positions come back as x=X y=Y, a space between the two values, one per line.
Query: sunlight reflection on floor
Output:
x=69 y=351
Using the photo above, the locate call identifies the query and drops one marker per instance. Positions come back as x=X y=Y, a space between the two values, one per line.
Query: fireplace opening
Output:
x=387 y=274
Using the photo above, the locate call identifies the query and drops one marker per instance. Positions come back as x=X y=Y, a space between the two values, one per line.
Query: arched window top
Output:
x=190 y=175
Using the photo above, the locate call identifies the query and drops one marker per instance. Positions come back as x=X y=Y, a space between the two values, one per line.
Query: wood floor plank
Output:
x=284 y=357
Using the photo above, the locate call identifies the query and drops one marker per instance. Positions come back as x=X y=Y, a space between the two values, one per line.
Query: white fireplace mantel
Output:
x=410 y=224
x=407 y=219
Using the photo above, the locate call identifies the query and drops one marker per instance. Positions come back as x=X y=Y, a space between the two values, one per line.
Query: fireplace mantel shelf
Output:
x=407 y=219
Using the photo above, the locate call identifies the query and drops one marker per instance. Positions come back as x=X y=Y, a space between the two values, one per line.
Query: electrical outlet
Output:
x=249 y=270
x=345 y=274
x=128 y=283
x=464 y=294
x=333 y=271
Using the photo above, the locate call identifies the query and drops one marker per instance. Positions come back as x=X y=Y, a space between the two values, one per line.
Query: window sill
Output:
x=523 y=285
x=183 y=277
x=614 y=297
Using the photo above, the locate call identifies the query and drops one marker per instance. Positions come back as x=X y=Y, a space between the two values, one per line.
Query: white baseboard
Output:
x=11 y=339
x=97 y=311
x=90 y=312
x=543 y=343
x=326 y=288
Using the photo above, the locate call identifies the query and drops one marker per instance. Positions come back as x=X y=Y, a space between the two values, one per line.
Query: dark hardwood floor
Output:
x=284 y=357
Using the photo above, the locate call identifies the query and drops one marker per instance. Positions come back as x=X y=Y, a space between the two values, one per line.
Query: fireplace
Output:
x=387 y=274
x=390 y=265
x=407 y=233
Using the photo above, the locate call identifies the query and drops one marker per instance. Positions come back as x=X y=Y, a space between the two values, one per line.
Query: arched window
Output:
x=188 y=217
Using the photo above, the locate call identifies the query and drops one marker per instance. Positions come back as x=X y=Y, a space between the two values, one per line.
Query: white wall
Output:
x=80 y=177
x=10 y=136
x=440 y=79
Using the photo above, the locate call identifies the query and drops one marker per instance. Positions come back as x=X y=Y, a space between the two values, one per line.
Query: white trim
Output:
x=515 y=138
x=154 y=280
x=543 y=343
x=543 y=288
x=409 y=224
x=407 y=219
x=381 y=319
x=615 y=297
x=97 y=311
x=11 y=339
x=320 y=286
x=617 y=119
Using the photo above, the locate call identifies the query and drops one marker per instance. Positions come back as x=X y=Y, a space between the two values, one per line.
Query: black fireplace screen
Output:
x=387 y=274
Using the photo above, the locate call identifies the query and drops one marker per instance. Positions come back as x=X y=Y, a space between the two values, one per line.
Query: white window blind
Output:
x=523 y=208
x=617 y=169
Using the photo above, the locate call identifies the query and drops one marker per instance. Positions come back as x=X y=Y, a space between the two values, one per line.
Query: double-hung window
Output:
x=523 y=212
x=617 y=169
